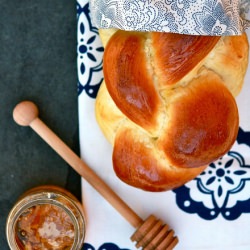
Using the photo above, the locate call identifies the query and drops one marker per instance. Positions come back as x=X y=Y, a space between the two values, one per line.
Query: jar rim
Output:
x=52 y=197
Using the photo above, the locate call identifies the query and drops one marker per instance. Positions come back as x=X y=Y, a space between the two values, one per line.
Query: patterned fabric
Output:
x=199 y=17
x=215 y=205
x=90 y=50
x=105 y=246
x=223 y=184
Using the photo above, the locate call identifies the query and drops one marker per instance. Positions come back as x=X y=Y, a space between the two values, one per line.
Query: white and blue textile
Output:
x=211 y=212
x=194 y=17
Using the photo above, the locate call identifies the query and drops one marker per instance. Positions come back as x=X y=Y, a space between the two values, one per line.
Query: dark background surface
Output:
x=37 y=63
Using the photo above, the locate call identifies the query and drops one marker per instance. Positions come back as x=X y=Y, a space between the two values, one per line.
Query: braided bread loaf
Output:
x=167 y=104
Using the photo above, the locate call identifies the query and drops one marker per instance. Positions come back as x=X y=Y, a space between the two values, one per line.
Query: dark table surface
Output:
x=37 y=62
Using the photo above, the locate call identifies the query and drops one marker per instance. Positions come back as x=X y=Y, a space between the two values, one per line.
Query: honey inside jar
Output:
x=44 y=226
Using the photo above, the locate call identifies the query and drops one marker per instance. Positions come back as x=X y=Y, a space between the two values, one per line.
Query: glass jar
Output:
x=46 y=217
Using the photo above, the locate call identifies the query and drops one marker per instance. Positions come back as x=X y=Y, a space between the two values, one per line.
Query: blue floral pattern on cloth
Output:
x=90 y=52
x=212 y=20
x=195 y=17
x=105 y=246
x=221 y=188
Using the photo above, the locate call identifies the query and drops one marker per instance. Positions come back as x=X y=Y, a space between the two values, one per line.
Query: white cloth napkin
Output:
x=211 y=212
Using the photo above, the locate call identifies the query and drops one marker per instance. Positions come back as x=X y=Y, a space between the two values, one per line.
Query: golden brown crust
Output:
x=175 y=55
x=229 y=60
x=166 y=125
x=128 y=81
x=139 y=163
x=203 y=122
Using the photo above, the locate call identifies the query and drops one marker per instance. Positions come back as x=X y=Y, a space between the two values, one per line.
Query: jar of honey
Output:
x=46 y=217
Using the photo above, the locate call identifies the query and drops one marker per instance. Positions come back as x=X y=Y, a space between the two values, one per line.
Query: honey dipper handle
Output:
x=26 y=114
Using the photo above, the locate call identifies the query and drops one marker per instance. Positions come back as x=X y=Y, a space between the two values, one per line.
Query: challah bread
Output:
x=167 y=103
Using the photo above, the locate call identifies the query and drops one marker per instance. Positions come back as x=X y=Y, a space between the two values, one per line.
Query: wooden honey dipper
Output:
x=150 y=234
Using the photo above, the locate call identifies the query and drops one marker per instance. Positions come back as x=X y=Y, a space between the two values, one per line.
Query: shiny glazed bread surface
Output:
x=167 y=104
